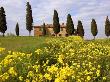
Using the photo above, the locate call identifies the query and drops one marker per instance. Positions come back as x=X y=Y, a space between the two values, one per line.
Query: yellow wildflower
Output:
x=5 y=76
x=47 y=76
x=52 y=69
x=30 y=74
x=99 y=66
x=98 y=73
x=2 y=49
x=12 y=71
x=104 y=78
x=33 y=81
x=27 y=80
x=88 y=78
x=20 y=78
x=60 y=59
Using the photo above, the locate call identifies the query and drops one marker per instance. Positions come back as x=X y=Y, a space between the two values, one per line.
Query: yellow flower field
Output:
x=69 y=59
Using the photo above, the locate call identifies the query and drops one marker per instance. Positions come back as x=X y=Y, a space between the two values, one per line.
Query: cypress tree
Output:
x=0 y=19
x=29 y=18
x=94 y=30
x=107 y=27
x=80 y=30
x=17 y=29
x=56 y=25
x=3 y=23
x=69 y=25
x=44 y=29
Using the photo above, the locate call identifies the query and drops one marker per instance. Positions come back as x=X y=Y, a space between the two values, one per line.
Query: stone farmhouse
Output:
x=38 y=30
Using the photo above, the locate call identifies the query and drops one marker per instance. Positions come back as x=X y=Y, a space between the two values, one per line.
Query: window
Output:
x=66 y=35
x=53 y=34
x=61 y=29
x=60 y=35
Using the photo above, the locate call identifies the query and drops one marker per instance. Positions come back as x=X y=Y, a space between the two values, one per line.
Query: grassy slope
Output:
x=22 y=43
x=29 y=44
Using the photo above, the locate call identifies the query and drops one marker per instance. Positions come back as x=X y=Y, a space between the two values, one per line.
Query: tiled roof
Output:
x=49 y=26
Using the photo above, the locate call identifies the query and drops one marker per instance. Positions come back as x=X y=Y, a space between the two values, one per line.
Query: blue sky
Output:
x=83 y=10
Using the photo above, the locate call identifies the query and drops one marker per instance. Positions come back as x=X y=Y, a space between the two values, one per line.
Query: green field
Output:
x=24 y=44
x=51 y=59
x=29 y=44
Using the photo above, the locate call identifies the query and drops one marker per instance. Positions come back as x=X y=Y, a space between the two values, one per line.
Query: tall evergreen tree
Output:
x=80 y=30
x=17 y=29
x=94 y=29
x=29 y=18
x=107 y=27
x=3 y=23
x=44 y=29
x=56 y=25
x=0 y=19
x=69 y=25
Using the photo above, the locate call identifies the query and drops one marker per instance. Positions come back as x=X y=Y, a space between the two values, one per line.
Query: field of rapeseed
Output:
x=69 y=59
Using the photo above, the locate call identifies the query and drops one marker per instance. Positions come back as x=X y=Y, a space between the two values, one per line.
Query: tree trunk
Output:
x=3 y=35
x=29 y=33
x=56 y=35
x=94 y=37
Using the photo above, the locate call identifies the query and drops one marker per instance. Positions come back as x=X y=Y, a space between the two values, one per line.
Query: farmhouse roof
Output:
x=50 y=26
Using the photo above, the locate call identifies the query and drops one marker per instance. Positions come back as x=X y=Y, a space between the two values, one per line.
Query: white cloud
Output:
x=44 y=10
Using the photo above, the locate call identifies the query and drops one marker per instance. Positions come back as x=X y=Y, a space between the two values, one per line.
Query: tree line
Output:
x=56 y=25
x=80 y=30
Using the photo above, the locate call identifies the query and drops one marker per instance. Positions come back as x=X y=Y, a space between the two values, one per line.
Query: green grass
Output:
x=29 y=44
x=22 y=44
x=25 y=44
